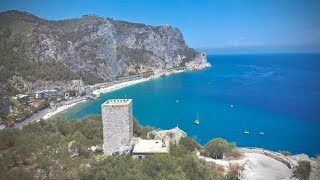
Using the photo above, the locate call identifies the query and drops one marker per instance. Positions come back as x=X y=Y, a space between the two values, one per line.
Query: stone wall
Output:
x=117 y=127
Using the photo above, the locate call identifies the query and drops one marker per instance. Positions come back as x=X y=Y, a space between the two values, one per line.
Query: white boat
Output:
x=197 y=121
x=261 y=133
x=231 y=105
x=246 y=132
x=177 y=100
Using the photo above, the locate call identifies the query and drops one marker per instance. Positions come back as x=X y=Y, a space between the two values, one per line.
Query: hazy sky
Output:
x=221 y=25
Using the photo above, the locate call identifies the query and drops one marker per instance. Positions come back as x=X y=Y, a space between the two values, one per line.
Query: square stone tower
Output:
x=117 y=126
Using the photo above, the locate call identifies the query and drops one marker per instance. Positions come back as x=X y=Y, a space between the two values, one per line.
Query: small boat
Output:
x=197 y=121
x=177 y=101
x=261 y=133
x=231 y=105
x=246 y=132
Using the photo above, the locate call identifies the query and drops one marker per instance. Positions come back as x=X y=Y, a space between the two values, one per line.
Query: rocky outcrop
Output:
x=290 y=161
x=101 y=47
x=314 y=162
x=277 y=156
x=200 y=62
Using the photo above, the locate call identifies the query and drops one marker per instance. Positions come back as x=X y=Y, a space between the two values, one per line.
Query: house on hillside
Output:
x=70 y=94
x=46 y=93
x=79 y=87
x=22 y=97
x=39 y=94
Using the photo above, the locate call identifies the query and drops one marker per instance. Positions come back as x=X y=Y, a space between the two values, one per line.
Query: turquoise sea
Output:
x=278 y=94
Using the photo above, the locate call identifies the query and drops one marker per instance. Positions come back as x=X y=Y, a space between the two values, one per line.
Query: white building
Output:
x=22 y=97
x=46 y=93
x=148 y=147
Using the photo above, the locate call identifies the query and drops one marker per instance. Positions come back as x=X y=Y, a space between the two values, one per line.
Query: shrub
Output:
x=159 y=166
x=189 y=143
x=195 y=168
x=151 y=136
x=233 y=169
x=286 y=153
x=178 y=151
x=303 y=170
x=217 y=171
x=216 y=148
x=141 y=131
x=235 y=154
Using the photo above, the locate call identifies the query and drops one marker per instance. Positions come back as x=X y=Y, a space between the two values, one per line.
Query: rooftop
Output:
x=45 y=91
x=151 y=146
x=117 y=102
x=20 y=96
x=173 y=131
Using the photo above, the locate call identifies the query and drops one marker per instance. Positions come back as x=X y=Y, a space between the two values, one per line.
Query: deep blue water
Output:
x=278 y=94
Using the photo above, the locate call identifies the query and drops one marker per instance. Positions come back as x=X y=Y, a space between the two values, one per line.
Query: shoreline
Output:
x=97 y=93
x=112 y=88
x=121 y=85
x=48 y=113
x=118 y=86
x=61 y=109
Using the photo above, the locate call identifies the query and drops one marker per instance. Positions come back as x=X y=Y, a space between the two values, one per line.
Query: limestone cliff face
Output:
x=100 y=47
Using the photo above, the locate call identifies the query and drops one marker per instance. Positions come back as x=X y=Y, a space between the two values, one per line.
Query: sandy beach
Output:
x=117 y=86
x=96 y=93
x=61 y=109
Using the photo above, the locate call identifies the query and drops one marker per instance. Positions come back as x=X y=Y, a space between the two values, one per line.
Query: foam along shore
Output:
x=61 y=109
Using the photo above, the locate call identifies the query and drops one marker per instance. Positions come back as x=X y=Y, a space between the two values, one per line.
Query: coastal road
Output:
x=40 y=114
x=33 y=118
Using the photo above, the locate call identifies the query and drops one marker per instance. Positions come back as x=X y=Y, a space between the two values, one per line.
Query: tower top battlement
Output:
x=118 y=102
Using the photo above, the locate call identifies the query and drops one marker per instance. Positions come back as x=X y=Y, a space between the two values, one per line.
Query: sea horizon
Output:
x=271 y=93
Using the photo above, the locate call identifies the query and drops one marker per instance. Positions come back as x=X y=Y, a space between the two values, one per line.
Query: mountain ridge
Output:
x=96 y=49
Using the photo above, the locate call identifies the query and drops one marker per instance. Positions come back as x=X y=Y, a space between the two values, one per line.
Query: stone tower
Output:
x=117 y=126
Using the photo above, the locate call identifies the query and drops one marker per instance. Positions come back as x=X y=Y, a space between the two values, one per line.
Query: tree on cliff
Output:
x=189 y=143
x=303 y=170
x=216 y=148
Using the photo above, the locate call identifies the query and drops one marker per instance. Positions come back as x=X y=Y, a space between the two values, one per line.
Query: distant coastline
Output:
x=103 y=90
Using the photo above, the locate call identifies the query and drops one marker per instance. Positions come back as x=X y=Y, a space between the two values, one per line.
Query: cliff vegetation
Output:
x=59 y=149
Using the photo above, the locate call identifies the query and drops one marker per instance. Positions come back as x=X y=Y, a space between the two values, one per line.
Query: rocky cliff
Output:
x=94 y=48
